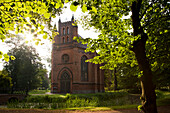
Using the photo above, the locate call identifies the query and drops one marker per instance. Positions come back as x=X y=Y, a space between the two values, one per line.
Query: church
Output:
x=70 y=73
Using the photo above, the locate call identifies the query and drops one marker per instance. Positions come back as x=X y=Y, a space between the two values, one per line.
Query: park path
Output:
x=162 y=109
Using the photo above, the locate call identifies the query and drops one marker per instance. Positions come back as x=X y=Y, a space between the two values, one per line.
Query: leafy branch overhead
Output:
x=19 y=16
x=113 y=20
x=133 y=32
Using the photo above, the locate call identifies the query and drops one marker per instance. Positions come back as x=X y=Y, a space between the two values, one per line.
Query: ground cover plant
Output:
x=113 y=100
x=75 y=100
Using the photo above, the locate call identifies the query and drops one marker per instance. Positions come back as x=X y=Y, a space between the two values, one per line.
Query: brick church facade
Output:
x=70 y=73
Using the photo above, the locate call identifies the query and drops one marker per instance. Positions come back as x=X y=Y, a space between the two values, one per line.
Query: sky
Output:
x=45 y=50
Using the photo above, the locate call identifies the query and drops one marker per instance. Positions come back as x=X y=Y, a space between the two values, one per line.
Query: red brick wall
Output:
x=75 y=51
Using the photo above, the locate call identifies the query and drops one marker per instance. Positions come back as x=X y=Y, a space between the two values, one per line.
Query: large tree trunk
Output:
x=148 y=89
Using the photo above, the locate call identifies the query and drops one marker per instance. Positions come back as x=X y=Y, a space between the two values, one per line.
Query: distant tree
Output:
x=126 y=78
x=5 y=82
x=44 y=80
x=129 y=79
x=23 y=70
x=108 y=80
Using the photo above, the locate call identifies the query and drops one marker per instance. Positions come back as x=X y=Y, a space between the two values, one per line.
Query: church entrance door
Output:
x=65 y=82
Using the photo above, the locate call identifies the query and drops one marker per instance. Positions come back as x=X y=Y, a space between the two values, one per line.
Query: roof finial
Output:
x=72 y=19
x=59 y=20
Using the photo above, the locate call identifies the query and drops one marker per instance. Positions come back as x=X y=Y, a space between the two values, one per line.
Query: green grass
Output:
x=38 y=92
x=89 y=108
x=97 y=101
x=164 y=99
x=102 y=108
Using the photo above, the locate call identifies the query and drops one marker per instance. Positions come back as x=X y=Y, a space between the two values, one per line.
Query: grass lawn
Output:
x=93 y=102
x=38 y=92
x=164 y=99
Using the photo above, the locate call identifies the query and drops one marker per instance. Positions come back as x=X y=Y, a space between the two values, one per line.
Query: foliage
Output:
x=24 y=70
x=44 y=81
x=117 y=45
x=115 y=41
x=20 y=16
x=5 y=82
x=77 y=100
x=117 y=100
x=37 y=91
x=127 y=78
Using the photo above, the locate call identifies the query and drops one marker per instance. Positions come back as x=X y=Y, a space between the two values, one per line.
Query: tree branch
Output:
x=145 y=11
x=156 y=19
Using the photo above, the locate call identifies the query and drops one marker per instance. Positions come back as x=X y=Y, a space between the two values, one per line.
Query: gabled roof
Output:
x=80 y=45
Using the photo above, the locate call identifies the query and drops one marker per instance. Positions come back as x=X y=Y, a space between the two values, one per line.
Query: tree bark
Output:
x=115 y=80
x=148 y=90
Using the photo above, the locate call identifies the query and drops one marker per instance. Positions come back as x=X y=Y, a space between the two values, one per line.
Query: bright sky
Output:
x=45 y=50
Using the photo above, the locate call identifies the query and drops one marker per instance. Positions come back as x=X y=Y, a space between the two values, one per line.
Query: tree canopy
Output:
x=5 y=82
x=19 y=16
x=148 y=20
x=27 y=71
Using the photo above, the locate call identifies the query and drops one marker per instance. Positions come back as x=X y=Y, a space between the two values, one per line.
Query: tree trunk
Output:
x=148 y=90
x=115 y=80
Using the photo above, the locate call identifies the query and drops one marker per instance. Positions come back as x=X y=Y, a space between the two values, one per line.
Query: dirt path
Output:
x=162 y=109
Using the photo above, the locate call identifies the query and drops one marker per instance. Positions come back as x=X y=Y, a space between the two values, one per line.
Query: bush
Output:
x=45 y=99
x=75 y=100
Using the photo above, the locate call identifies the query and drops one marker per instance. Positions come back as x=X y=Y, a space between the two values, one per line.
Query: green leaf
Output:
x=57 y=5
x=36 y=43
x=140 y=108
x=47 y=15
x=42 y=11
x=84 y=8
x=94 y=9
x=26 y=42
x=165 y=31
x=6 y=57
x=42 y=27
x=73 y=8
x=45 y=36
x=13 y=58
x=66 y=1
x=1 y=53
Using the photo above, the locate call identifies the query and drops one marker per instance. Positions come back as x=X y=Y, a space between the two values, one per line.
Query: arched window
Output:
x=67 y=39
x=63 y=40
x=65 y=58
x=84 y=69
x=64 y=31
x=67 y=30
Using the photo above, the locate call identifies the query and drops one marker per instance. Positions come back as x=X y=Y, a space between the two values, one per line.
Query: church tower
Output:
x=70 y=73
